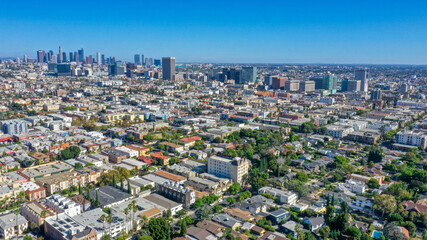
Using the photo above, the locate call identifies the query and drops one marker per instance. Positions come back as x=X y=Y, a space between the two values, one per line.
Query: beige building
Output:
x=233 y=169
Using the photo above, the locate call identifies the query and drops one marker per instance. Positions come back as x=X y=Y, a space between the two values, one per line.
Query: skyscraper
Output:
x=102 y=59
x=64 y=57
x=344 y=85
x=142 y=59
x=361 y=74
x=248 y=75
x=71 y=57
x=137 y=59
x=81 y=55
x=98 y=58
x=329 y=82
x=41 y=54
x=168 y=67
x=60 y=55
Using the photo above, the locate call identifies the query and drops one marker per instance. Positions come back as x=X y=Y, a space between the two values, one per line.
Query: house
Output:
x=212 y=227
x=315 y=223
x=163 y=160
x=12 y=225
x=227 y=220
x=363 y=204
x=200 y=234
x=172 y=147
x=415 y=207
x=239 y=214
x=278 y=216
x=257 y=204
x=290 y=227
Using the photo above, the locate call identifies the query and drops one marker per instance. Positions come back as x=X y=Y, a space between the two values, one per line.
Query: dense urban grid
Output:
x=97 y=148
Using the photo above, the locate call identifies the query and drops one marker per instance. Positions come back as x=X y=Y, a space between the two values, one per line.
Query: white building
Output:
x=285 y=197
x=130 y=152
x=338 y=131
x=352 y=186
x=233 y=169
x=62 y=204
x=413 y=138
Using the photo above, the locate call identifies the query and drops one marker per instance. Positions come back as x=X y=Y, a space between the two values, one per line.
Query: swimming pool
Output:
x=377 y=234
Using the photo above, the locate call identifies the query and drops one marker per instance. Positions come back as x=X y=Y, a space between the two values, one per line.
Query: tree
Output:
x=203 y=213
x=122 y=185
x=385 y=203
x=78 y=165
x=103 y=218
x=217 y=208
x=411 y=228
x=168 y=213
x=159 y=228
x=114 y=181
x=106 y=237
x=129 y=187
x=235 y=188
x=183 y=226
x=97 y=203
x=28 y=237
x=302 y=176
x=324 y=232
x=353 y=232
x=375 y=155
x=373 y=183
x=298 y=187
x=110 y=220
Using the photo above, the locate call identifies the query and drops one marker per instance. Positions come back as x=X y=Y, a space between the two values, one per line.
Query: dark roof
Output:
x=279 y=213
x=109 y=195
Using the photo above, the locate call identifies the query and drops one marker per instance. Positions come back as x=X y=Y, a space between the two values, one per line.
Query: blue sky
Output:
x=344 y=31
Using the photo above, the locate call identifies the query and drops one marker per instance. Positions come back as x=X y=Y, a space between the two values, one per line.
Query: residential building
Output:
x=233 y=169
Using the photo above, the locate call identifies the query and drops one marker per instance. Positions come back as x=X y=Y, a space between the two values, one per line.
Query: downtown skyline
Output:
x=227 y=32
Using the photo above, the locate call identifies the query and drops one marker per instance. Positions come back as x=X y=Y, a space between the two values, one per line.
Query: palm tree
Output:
x=110 y=220
x=126 y=213
x=102 y=218
x=135 y=208
x=17 y=212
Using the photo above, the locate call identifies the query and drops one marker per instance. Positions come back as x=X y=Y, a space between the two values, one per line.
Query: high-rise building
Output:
x=157 y=62
x=142 y=59
x=344 y=85
x=98 y=58
x=60 y=55
x=41 y=54
x=329 y=82
x=49 y=56
x=248 y=75
x=63 y=69
x=292 y=85
x=278 y=82
x=404 y=88
x=376 y=94
x=81 y=55
x=102 y=59
x=233 y=169
x=76 y=57
x=361 y=74
x=117 y=69
x=25 y=58
x=307 y=86
x=71 y=57
x=137 y=59
x=353 y=85
x=64 y=57
x=168 y=67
